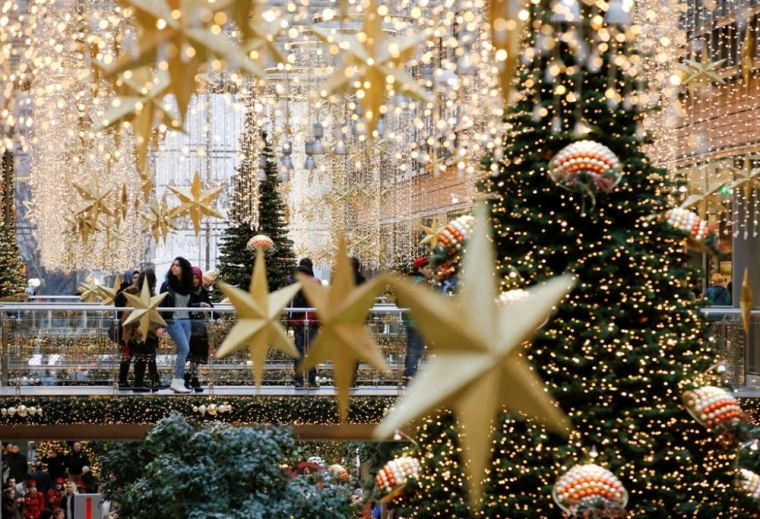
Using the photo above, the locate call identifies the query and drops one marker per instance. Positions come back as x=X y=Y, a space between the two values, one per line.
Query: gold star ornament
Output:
x=89 y=290
x=748 y=54
x=431 y=232
x=259 y=314
x=181 y=36
x=108 y=295
x=746 y=177
x=704 y=195
x=342 y=312
x=196 y=202
x=701 y=73
x=145 y=308
x=478 y=369
x=373 y=62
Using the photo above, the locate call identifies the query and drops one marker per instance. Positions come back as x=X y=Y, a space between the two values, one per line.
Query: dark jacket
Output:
x=300 y=301
x=44 y=481
x=17 y=466
x=359 y=278
x=65 y=505
x=55 y=466
x=168 y=301
x=718 y=295
x=75 y=462
x=13 y=510
x=197 y=300
x=90 y=482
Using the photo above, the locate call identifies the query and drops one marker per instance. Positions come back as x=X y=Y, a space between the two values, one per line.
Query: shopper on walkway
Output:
x=415 y=344
x=178 y=286
x=199 y=344
x=717 y=295
x=144 y=346
x=305 y=327
x=54 y=462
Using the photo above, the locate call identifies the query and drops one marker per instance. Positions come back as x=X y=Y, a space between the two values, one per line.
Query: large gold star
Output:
x=703 y=195
x=145 y=308
x=432 y=232
x=748 y=54
x=89 y=290
x=478 y=369
x=342 y=312
x=373 y=62
x=181 y=36
x=261 y=35
x=259 y=314
x=108 y=295
x=196 y=202
x=702 y=72
x=506 y=38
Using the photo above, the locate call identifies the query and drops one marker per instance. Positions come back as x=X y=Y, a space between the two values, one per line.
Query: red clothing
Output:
x=54 y=499
x=33 y=505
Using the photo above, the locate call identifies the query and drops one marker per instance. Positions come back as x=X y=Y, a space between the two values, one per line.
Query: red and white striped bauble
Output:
x=456 y=232
x=396 y=472
x=586 y=166
x=750 y=483
x=711 y=406
x=260 y=242
x=590 y=482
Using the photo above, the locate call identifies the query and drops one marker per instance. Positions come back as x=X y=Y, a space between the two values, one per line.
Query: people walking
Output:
x=144 y=345
x=199 y=343
x=415 y=344
x=131 y=279
x=305 y=327
x=178 y=286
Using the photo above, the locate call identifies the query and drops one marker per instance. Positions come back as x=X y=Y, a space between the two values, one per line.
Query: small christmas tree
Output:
x=628 y=342
x=12 y=269
x=236 y=259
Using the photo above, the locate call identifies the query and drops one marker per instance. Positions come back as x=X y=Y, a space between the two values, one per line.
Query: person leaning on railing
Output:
x=415 y=344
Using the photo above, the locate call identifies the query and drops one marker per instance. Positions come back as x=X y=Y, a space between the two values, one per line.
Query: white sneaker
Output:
x=178 y=386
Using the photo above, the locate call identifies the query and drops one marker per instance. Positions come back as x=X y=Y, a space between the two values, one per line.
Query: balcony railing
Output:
x=63 y=343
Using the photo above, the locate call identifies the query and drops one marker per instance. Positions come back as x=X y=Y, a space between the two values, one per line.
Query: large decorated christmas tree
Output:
x=236 y=259
x=574 y=193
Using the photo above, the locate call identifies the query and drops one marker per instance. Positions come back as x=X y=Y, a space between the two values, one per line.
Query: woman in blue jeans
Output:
x=178 y=285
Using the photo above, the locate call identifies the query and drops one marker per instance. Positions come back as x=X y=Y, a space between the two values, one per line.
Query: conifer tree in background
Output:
x=12 y=278
x=236 y=259
x=624 y=346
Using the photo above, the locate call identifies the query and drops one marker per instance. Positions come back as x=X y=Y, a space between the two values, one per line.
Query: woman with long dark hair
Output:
x=143 y=346
x=178 y=286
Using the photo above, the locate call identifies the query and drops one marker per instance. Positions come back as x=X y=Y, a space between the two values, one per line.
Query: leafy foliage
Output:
x=185 y=470
x=12 y=269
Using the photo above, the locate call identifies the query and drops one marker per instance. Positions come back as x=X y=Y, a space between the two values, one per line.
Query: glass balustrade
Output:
x=65 y=343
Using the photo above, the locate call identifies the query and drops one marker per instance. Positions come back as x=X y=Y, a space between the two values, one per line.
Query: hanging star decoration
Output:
x=95 y=201
x=703 y=195
x=259 y=313
x=140 y=103
x=342 y=311
x=431 y=232
x=506 y=38
x=437 y=164
x=146 y=185
x=748 y=54
x=145 y=308
x=181 y=37
x=159 y=221
x=261 y=34
x=746 y=177
x=89 y=290
x=478 y=369
x=196 y=202
x=81 y=227
x=107 y=294
x=746 y=301
x=701 y=73
x=373 y=62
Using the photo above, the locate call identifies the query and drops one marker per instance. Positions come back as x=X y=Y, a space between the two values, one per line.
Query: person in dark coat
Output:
x=43 y=479
x=17 y=464
x=358 y=280
x=301 y=322
x=54 y=461
x=75 y=460
x=89 y=481
x=199 y=344
x=178 y=287
x=68 y=501
x=13 y=506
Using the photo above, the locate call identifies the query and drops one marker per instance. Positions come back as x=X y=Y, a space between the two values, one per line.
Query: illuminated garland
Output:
x=291 y=410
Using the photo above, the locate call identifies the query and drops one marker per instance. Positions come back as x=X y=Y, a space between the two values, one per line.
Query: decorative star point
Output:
x=259 y=313
x=342 y=311
x=477 y=369
x=145 y=308
x=432 y=232
x=196 y=202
